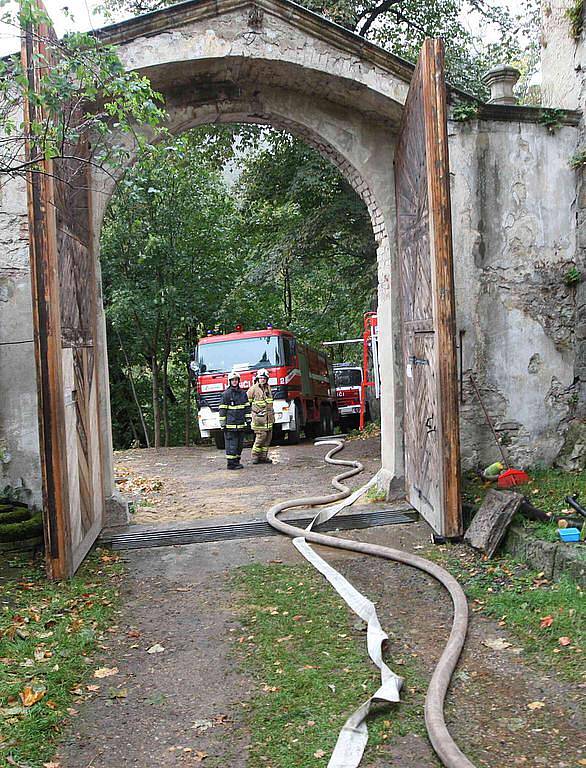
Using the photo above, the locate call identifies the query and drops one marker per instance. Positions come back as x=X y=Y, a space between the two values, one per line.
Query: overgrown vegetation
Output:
x=49 y=634
x=303 y=694
x=552 y=119
x=578 y=160
x=546 y=617
x=464 y=111
x=73 y=72
x=546 y=490
x=575 y=15
x=573 y=276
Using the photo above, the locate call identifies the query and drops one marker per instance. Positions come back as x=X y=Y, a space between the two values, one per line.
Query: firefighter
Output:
x=263 y=417
x=234 y=419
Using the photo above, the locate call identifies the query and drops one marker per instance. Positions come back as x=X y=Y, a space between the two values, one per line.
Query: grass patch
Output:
x=49 y=633
x=521 y=599
x=546 y=490
x=311 y=670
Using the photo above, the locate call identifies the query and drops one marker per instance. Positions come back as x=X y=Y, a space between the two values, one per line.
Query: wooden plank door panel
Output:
x=64 y=318
x=424 y=239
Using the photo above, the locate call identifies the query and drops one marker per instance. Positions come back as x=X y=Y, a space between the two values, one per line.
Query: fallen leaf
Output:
x=133 y=633
x=31 y=694
x=202 y=725
x=156 y=648
x=565 y=640
x=536 y=705
x=546 y=621
x=51 y=765
x=118 y=693
x=106 y=672
x=199 y=756
x=319 y=753
x=93 y=688
x=497 y=644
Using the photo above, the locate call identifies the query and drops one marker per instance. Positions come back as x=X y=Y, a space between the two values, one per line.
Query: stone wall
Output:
x=563 y=65
x=514 y=224
x=18 y=389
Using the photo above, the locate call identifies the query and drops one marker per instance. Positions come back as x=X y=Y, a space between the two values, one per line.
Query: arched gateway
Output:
x=274 y=62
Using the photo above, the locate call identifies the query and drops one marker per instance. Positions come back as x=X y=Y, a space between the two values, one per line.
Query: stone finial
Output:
x=501 y=80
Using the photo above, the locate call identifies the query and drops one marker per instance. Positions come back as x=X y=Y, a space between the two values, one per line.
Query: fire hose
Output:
x=353 y=737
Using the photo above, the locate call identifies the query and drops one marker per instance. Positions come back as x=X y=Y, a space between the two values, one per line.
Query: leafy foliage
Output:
x=167 y=252
x=289 y=243
x=575 y=15
x=82 y=89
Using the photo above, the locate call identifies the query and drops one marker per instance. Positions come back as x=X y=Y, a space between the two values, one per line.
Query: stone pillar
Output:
x=501 y=80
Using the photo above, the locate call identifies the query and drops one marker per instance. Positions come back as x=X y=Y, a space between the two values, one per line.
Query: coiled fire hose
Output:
x=353 y=737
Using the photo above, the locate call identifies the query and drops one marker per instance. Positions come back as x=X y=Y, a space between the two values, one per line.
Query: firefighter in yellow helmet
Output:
x=263 y=417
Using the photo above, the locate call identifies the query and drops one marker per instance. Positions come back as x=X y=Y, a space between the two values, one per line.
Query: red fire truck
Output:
x=302 y=380
x=348 y=378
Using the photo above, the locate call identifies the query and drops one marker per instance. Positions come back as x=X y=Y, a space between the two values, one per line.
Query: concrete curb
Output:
x=554 y=559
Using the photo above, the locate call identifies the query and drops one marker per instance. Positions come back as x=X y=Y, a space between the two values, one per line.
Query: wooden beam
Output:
x=46 y=327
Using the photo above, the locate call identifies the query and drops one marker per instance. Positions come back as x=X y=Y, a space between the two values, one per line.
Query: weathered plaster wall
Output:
x=563 y=64
x=561 y=58
x=514 y=214
x=18 y=391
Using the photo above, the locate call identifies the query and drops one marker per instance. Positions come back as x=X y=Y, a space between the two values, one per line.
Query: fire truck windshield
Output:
x=222 y=356
x=348 y=377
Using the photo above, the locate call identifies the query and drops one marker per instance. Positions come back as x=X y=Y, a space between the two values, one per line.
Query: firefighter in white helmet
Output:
x=234 y=418
x=263 y=417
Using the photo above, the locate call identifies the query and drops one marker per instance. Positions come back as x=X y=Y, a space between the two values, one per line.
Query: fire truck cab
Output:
x=348 y=378
x=301 y=379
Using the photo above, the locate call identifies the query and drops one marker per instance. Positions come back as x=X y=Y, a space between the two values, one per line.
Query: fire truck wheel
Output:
x=219 y=439
x=293 y=435
x=311 y=430
x=324 y=421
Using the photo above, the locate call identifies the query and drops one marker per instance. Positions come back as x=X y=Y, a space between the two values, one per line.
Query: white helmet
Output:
x=263 y=372
x=234 y=374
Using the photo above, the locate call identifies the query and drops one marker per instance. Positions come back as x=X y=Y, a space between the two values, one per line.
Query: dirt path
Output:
x=186 y=705
x=178 y=484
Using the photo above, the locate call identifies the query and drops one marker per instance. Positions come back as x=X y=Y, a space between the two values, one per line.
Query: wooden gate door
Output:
x=424 y=234
x=64 y=320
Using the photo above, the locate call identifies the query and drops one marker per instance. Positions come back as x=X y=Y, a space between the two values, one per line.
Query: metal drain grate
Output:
x=254 y=529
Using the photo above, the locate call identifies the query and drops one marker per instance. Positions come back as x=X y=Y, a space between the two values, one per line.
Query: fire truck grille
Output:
x=211 y=399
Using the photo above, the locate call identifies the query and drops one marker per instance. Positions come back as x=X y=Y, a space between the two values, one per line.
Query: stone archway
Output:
x=327 y=86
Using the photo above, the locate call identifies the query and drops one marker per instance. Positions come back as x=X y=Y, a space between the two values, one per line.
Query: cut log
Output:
x=531 y=512
x=490 y=523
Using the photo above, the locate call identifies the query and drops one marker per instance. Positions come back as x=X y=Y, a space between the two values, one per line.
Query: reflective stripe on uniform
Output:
x=235 y=426
x=234 y=407
x=232 y=456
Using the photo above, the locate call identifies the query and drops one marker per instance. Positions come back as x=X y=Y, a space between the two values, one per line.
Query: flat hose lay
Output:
x=439 y=736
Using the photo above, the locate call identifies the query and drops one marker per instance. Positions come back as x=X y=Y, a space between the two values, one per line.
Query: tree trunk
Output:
x=165 y=403
x=187 y=409
x=134 y=395
x=156 y=400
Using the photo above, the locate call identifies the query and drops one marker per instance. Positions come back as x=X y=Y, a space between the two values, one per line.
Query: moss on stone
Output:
x=22 y=529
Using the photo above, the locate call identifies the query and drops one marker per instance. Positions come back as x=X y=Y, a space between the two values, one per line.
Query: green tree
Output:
x=83 y=90
x=168 y=261
x=309 y=247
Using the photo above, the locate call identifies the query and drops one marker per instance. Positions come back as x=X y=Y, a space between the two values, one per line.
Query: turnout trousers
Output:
x=262 y=440
x=234 y=440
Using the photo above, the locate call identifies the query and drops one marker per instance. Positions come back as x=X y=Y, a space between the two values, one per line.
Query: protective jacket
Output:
x=234 y=409
x=261 y=399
